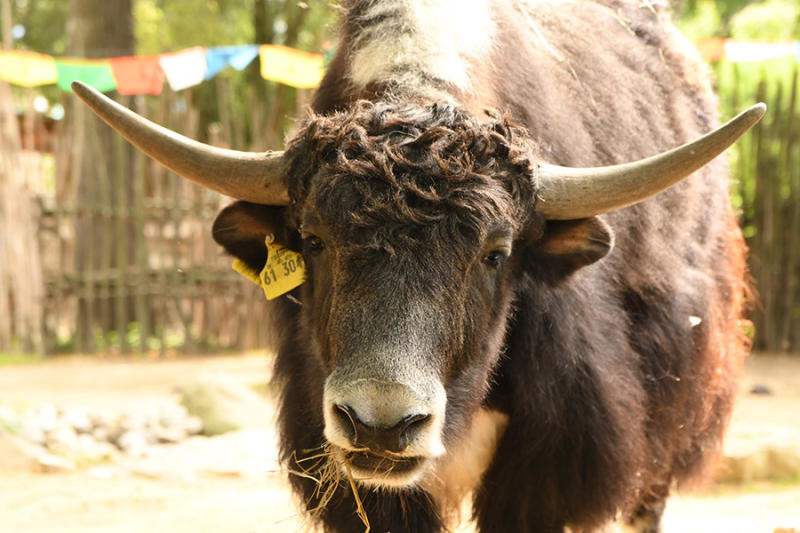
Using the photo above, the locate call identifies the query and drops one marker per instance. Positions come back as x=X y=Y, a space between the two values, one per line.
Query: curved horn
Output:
x=572 y=193
x=255 y=177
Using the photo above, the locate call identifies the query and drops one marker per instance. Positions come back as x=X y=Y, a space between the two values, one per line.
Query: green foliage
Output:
x=703 y=20
x=773 y=20
x=162 y=26
x=7 y=359
x=161 y=341
x=170 y=25
x=45 y=25
x=168 y=340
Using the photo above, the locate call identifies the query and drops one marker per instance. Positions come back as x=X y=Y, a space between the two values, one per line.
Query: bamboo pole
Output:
x=773 y=229
x=142 y=289
x=792 y=176
x=120 y=241
x=160 y=180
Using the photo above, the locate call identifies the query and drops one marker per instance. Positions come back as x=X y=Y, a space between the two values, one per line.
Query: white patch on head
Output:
x=421 y=40
x=459 y=473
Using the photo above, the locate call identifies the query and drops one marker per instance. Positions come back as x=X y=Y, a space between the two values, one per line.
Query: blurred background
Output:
x=106 y=252
x=102 y=250
x=107 y=262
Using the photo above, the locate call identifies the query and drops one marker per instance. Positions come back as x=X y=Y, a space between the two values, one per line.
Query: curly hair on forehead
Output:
x=406 y=163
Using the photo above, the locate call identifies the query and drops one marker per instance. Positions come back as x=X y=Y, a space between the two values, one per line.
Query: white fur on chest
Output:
x=411 y=42
x=458 y=474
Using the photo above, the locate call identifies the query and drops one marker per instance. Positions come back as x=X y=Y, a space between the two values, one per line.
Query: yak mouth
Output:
x=382 y=469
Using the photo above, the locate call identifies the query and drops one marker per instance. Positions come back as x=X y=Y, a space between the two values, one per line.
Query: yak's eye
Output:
x=495 y=258
x=313 y=244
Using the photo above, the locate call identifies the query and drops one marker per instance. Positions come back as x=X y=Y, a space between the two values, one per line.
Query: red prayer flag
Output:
x=711 y=48
x=137 y=74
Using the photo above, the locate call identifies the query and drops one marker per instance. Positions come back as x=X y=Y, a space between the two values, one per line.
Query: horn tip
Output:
x=80 y=88
x=84 y=91
x=758 y=109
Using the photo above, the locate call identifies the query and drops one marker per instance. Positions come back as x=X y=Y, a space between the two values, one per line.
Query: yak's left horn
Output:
x=255 y=177
x=571 y=193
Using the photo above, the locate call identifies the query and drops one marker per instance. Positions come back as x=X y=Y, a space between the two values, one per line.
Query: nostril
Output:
x=413 y=421
x=347 y=419
x=409 y=427
x=378 y=438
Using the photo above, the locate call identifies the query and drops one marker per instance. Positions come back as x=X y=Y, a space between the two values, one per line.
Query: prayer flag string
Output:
x=186 y=68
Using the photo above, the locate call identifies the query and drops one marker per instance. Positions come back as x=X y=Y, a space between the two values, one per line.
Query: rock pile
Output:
x=77 y=437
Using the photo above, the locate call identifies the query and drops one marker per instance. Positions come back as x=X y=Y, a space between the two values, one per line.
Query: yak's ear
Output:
x=242 y=227
x=568 y=245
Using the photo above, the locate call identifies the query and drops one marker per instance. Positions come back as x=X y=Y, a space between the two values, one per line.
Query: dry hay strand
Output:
x=323 y=469
x=362 y=514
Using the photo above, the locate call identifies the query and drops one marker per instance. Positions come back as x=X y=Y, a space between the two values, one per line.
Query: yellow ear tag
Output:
x=283 y=271
x=242 y=268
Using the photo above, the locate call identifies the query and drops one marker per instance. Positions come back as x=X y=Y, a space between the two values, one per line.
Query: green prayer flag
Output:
x=96 y=73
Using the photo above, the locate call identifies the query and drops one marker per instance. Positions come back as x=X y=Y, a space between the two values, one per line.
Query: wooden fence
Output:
x=129 y=262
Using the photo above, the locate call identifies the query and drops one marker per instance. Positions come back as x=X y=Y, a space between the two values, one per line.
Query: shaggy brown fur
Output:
x=391 y=165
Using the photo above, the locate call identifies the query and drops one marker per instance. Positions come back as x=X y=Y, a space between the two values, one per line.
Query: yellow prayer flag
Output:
x=28 y=69
x=290 y=66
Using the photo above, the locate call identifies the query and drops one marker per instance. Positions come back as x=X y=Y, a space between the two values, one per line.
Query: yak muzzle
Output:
x=386 y=430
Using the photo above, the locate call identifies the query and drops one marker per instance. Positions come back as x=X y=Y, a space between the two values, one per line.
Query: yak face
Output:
x=408 y=218
x=412 y=222
x=407 y=327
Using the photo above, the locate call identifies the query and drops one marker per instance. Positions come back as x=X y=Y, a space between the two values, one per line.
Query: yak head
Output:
x=413 y=222
x=408 y=218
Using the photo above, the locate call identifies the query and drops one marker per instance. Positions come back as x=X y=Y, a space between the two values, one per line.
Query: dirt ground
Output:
x=231 y=483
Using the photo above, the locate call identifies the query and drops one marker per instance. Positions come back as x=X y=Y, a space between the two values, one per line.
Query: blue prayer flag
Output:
x=219 y=57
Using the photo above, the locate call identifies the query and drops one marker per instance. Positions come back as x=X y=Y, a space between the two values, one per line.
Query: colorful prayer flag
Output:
x=184 y=69
x=711 y=49
x=219 y=57
x=137 y=74
x=94 y=72
x=28 y=69
x=290 y=66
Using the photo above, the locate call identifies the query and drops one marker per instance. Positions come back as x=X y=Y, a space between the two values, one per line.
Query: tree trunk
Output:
x=101 y=181
x=21 y=286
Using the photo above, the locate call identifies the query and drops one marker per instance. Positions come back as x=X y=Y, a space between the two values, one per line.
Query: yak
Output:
x=518 y=293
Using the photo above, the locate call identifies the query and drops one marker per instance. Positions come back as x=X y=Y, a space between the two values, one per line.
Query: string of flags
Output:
x=146 y=74
x=183 y=69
